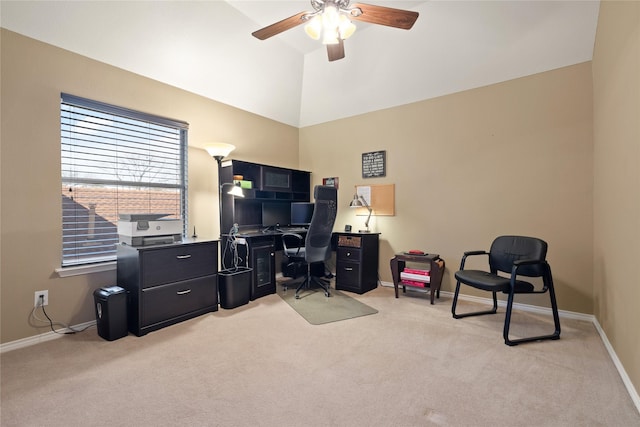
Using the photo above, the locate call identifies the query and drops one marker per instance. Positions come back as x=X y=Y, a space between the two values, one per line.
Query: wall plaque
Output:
x=374 y=164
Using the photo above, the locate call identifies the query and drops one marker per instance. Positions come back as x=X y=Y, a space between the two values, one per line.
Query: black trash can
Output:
x=234 y=286
x=111 y=312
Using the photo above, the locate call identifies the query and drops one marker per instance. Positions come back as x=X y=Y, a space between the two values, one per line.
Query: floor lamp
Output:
x=220 y=150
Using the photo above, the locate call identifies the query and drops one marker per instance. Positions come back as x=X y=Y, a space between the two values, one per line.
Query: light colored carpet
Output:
x=262 y=364
x=317 y=309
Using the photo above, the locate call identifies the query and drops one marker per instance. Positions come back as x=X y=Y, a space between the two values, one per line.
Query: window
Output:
x=115 y=161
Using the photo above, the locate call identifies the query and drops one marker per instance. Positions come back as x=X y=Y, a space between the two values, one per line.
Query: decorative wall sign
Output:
x=331 y=182
x=374 y=164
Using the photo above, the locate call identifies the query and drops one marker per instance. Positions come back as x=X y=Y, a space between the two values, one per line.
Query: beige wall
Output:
x=511 y=158
x=616 y=92
x=33 y=76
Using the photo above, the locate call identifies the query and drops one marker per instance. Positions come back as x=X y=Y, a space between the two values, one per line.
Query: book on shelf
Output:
x=417 y=271
x=415 y=277
x=414 y=283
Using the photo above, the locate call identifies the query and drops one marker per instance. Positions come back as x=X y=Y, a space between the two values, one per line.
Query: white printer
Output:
x=148 y=229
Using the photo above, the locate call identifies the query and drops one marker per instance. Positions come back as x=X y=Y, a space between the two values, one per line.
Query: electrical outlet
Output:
x=45 y=298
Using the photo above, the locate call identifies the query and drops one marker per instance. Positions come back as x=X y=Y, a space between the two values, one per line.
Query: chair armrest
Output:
x=470 y=253
x=523 y=262
x=299 y=236
x=295 y=235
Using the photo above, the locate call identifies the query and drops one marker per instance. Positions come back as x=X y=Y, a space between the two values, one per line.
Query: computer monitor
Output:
x=301 y=213
x=276 y=214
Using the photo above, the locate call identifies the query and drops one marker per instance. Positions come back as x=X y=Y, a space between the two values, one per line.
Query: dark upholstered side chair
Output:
x=317 y=244
x=516 y=256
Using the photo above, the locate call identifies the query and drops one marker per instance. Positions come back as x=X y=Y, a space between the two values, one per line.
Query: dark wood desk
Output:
x=436 y=267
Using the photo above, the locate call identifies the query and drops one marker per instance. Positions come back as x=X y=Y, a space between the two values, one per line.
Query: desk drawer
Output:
x=178 y=263
x=347 y=273
x=350 y=241
x=162 y=303
x=349 y=254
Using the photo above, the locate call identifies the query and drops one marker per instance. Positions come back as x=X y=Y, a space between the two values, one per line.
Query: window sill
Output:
x=86 y=269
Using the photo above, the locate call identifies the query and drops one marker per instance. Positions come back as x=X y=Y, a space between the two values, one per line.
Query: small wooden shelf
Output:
x=436 y=268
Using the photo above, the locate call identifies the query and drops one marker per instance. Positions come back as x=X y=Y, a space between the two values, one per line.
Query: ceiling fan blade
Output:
x=280 y=26
x=388 y=16
x=336 y=51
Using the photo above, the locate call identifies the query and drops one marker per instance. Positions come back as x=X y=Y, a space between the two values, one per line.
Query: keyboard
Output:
x=292 y=230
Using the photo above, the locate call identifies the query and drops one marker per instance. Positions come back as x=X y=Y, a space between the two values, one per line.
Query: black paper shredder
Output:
x=111 y=312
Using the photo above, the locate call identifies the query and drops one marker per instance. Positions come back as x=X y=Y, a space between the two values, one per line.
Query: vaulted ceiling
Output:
x=206 y=47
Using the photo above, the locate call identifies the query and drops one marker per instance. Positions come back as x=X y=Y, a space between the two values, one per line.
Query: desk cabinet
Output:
x=357 y=262
x=263 y=261
x=167 y=284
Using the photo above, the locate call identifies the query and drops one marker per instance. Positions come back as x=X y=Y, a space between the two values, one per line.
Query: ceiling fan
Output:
x=331 y=19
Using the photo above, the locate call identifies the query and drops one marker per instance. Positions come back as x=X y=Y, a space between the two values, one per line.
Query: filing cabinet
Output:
x=357 y=262
x=167 y=284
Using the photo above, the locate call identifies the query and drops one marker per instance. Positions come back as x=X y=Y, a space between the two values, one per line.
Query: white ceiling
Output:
x=206 y=47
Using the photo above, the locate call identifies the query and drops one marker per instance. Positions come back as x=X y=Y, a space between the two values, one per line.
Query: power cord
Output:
x=232 y=247
x=34 y=315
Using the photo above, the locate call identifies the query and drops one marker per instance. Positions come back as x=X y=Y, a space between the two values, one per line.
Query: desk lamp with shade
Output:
x=359 y=202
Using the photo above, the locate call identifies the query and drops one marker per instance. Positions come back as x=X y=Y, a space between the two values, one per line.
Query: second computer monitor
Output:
x=301 y=213
x=275 y=214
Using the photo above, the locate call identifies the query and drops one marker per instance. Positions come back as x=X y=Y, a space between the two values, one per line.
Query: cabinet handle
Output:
x=183 y=256
x=184 y=292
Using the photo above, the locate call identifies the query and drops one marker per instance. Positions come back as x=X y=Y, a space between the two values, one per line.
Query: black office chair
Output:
x=516 y=256
x=317 y=243
x=293 y=250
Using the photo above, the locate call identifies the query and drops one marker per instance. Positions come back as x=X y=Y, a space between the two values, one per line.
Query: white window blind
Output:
x=114 y=161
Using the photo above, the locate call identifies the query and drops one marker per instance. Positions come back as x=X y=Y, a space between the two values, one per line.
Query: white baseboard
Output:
x=633 y=393
x=614 y=357
x=46 y=336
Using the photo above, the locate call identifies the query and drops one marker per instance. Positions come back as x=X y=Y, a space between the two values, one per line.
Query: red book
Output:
x=413 y=283
x=414 y=277
x=417 y=271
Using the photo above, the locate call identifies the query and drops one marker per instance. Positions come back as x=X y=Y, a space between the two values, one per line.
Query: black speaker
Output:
x=111 y=312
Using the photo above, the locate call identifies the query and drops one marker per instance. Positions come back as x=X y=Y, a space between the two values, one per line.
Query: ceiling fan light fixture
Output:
x=330 y=21
x=314 y=27
x=330 y=37
x=330 y=24
x=346 y=27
